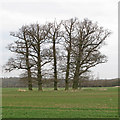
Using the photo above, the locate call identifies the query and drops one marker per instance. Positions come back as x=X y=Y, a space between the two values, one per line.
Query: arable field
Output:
x=101 y=102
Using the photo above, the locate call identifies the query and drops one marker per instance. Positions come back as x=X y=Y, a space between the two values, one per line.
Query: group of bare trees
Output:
x=67 y=49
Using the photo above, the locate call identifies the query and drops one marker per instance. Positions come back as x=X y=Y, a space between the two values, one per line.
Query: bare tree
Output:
x=38 y=35
x=69 y=35
x=21 y=48
x=86 y=48
x=76 y=43
x=54 y=37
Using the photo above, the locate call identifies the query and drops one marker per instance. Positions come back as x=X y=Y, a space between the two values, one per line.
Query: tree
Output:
x=21 y=48
x=43 y=48
x=69 y=34
x=38 y=34
x=86 y=48
x=54 y=37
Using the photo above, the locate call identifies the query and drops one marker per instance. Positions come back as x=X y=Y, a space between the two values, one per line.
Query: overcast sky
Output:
x=14 y=14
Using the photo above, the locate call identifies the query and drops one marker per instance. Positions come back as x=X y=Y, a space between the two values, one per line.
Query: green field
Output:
x=85 y=103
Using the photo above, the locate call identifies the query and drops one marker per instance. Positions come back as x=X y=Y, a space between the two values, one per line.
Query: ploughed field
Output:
x=101 y=102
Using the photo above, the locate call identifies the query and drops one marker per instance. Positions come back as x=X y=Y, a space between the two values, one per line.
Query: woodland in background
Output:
x=64 y=50
x=14 y=82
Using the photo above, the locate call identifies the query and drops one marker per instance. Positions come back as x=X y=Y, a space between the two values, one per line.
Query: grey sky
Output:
x=14 y=14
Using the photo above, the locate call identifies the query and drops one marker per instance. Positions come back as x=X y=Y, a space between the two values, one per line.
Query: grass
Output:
x=84 y=103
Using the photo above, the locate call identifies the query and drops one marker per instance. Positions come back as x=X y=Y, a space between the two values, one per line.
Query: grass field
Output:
x=85 y=103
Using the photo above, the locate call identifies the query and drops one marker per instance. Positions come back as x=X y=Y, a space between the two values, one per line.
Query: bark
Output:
x=39 y=69
x=76 y=77
x=55 y=65
x=29 y=80
x=69 y=29
x=77 y=71
x=28 y=65
x=68 y=67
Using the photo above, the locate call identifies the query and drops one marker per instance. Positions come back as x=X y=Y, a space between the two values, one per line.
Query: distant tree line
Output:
x=22 y=83
x=59 y=50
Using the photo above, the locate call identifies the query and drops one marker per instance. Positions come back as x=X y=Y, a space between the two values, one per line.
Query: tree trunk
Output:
x=77 y=71
x=66 y=84
x=29 y=80
x=76 y=77
x=75 y=84
x=39 y=69
x=28 y=65
x=80 y=83
x=55 y=65
x=68 y=63
x=39 y=84
x=67 y=72
x=39 y=79
x=29 y=74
